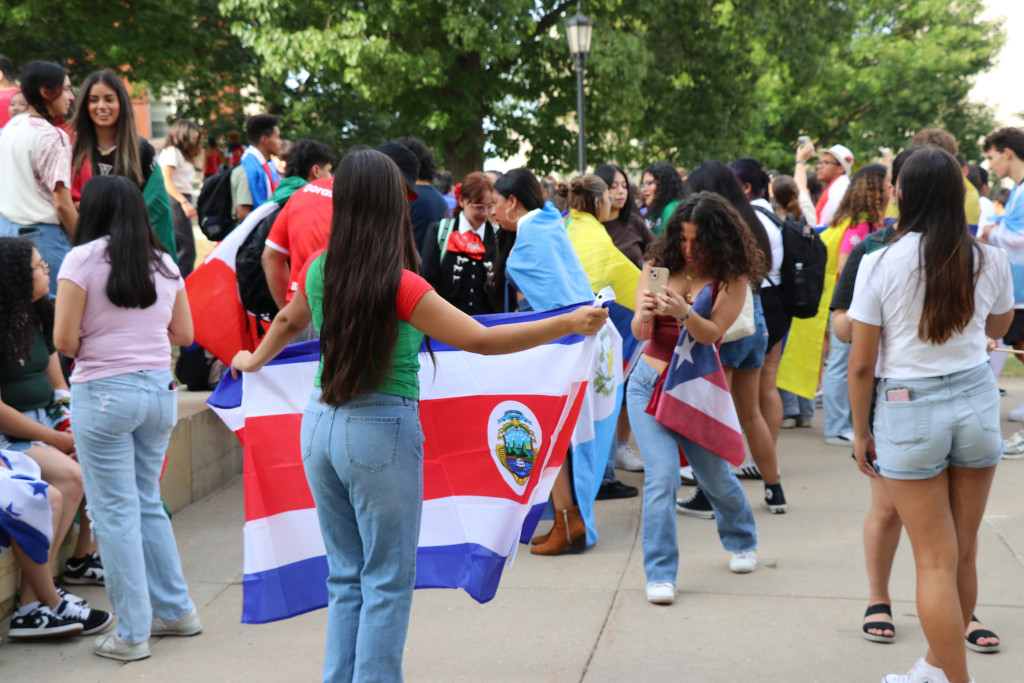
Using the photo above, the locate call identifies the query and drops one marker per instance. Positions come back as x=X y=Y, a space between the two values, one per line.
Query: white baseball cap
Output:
x=842 y=154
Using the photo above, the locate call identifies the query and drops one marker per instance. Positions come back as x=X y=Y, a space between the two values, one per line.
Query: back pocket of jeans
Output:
x=310 y=420
x=372 y=442
x=984 y=403
x=906 y=423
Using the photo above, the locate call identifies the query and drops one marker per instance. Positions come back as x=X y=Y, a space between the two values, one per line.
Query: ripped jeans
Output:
x=122 y=425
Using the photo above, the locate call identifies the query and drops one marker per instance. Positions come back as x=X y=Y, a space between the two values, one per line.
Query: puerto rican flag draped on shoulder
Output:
x=496 y=432
x=222 y=325
x=692 y=397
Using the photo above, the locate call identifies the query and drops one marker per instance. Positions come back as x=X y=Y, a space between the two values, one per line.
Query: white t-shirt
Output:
x=184 y=174
x=774 y=239
x=889 y=293
x=35 y=156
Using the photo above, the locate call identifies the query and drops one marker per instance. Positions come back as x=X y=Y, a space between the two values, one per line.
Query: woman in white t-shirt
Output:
x=922 y=311
x=35 y=162
x=177 y=159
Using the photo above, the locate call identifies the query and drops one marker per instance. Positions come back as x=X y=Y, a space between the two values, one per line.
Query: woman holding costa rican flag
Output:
x=677 y=395
x=362 y=444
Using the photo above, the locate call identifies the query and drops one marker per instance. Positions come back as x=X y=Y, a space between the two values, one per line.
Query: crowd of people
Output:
x=917 y=285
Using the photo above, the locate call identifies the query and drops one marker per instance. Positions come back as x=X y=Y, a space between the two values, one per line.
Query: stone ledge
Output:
x=202 y=456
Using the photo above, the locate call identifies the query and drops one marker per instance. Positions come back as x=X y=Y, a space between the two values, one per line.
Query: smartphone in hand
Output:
x=656 y=277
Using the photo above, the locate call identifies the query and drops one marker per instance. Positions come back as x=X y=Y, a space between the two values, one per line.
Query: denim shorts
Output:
x=747 y=353
x=40 y=415
x=949 y=420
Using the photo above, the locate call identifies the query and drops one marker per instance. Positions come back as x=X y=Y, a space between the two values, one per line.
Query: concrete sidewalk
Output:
x=584 y=617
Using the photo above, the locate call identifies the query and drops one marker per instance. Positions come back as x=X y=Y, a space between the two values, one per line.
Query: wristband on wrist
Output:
x=685 y=317
x=801 y=161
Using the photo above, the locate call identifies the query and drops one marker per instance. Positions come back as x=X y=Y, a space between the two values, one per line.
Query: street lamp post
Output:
x=578 y=30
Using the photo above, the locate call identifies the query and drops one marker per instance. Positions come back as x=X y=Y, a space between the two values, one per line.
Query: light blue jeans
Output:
x=949 y=420
x=796 y=406
x=51 y=242
x=835 y=400
x=658 y=445
x=364 y=464
x=122 y=425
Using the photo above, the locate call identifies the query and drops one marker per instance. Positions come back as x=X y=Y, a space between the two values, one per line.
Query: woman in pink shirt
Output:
x=119 y=324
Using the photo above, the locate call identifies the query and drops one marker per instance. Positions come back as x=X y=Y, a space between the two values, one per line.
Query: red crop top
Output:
x=664 y=337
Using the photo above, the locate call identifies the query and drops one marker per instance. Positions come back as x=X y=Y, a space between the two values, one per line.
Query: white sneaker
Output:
x=1017 y=414
x=111 y=646
x=1013 y=448
x=744 y=562
x=747 y=469
x=625 y=459
x=923 y=672
x=844 y=439
x=661 y=593
x=188 y=625
x=686 y=476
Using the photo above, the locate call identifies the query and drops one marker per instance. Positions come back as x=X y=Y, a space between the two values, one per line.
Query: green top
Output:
x=23 y=383
x=286 y=189
x=405 y=366
x=666 y=213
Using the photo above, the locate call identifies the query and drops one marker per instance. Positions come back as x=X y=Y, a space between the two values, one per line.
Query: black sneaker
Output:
x=67 y=595
x=43 y=623
x=84 y=570
x=616 y=489
x=92 y=620
x=774 y=498
x=696 y=505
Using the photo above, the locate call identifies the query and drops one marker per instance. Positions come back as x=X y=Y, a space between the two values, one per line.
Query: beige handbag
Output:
x=744 y=325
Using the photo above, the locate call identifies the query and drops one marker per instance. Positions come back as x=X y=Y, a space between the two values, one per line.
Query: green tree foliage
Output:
x=678 y=80
x=184 y=46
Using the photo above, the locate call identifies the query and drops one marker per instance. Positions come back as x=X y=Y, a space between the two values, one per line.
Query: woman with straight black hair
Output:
x=662 y=190
x=35 y=155
x=119 y=323
x=744 y=358
x=922 y=311
x=108 y=143
x=361 y=439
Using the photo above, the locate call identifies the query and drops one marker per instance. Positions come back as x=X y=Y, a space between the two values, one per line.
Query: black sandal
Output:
x=974 y=636
x=880 y=608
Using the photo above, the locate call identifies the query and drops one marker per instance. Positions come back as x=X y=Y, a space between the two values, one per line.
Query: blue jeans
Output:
x=794 y=405
x=364 y=464
x=835 y=400
x=122 y=425
x=949 y=420
x=51 y=242
x=658 y=445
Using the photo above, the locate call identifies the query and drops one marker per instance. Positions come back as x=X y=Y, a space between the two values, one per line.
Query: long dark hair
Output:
x=38 y=75
x=127 y=158
x=714 y=176
x=18 y=313
x=113 y=205
x=523 y=185
x=865 y=197
x=931 y=201
x=722 y=237
x=371 y=242
x=606 y=172
x=670 y=187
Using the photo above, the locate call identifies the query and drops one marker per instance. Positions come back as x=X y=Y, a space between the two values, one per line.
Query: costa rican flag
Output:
x=222 y=325
x=496 y=432
x=695 y=400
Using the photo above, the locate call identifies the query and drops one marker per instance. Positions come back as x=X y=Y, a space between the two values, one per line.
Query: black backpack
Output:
x=252 y=281
x=214 y=205
x=803 y=266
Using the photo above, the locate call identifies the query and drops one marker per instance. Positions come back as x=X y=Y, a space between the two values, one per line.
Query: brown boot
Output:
x=569 y=530
x=541 y=538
